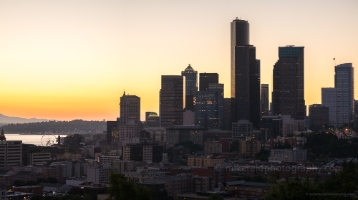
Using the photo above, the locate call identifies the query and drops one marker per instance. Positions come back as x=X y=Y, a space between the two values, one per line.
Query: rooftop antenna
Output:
x=334 y=61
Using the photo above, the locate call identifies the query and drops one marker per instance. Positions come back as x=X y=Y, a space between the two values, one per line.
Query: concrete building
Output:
x=204 y=161
x=174 y=185
x=171 y=101
x=143 y=152
x=272 y=126
x=10 y=151
x=38 y=158
x=177 y=134
x=318 y=116
x=179 y=153
x=241 y=129
x=250 y=147
x=189 y=118
x=211 y=147
x=288 y=155
x=98 y=174
x=288 y=83
x=245 y=74
x=143 y=173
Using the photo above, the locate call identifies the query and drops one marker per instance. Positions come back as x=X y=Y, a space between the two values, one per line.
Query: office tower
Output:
x=245 y=79
x=209 y=109
x=288 y=83
x=329 y=99
x=272 y=126
x=10 y=151
x=229 y=108
x=171 y=101
x=190 y=87
x=110 y=126
x=318 y=117
x=264 y=99
x=344 y=84
x=143 y=152
x=129 y=109
x=206 y=78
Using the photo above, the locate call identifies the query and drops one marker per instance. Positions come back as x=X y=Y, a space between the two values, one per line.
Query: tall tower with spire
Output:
x=129 y=109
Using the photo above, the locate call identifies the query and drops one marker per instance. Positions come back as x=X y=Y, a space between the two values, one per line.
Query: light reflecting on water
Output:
x=30 y=139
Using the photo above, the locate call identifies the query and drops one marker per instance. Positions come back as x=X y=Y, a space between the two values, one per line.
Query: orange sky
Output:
x=69 y=60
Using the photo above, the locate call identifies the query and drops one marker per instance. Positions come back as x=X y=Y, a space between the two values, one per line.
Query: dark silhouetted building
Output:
x=318 y=117
x=229 y=111
x=206 y=78
x=245 y=74
x=288 y=83
x=209 y=109
x=264 y=100
x=171 y=101
x=191 y=87
x=129 y=109
x=344 y=84
x=143 y=152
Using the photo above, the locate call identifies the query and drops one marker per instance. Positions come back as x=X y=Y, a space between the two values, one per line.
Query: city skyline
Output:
x=70 y=60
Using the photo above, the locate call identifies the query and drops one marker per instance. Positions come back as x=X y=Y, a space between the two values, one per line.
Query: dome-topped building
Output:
x=189 y=68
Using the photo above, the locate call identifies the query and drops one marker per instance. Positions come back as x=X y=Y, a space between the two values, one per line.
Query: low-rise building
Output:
x=288 y=155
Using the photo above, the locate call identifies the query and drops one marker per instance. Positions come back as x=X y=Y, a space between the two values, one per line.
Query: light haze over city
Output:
x=73 y=59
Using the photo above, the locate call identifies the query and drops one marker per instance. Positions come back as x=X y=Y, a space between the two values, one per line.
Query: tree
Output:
x=120 y=188
x=215 y=197
x=36 y=197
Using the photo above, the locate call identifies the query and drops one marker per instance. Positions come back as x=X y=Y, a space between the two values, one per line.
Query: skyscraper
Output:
x=171 y=101
x=209 y=110
x=344 y=84
x=191 y=87
x=288 y=83
x=129 y=109
x=245 y=78
x=264 y=99
x=206 y=78
x=329 y=99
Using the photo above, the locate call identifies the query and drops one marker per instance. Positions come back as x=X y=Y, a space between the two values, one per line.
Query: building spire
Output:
x=124 y=93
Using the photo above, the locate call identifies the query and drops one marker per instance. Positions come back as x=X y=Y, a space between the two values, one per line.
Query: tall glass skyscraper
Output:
x=245 y=74
x=288 y=83
x=344 y=84
x=191 y=87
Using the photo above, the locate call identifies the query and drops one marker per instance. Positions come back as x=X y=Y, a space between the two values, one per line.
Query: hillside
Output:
x=14 y=120
x=64 y=127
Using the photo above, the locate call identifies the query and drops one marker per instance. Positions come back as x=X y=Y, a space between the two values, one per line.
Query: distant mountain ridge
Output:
x=14 y=120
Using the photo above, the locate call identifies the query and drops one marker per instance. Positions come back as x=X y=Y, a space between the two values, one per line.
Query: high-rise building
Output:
x=209 y=109
x=318 y=117
x=245 y=78
x=191 y=87
x=344 y=84
x=329 y=99
x=206 y=78
x=129 y=109
x=288 y=83
x=264 y=99
x=229 y=108
x=171 y=101
x=10 y=152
